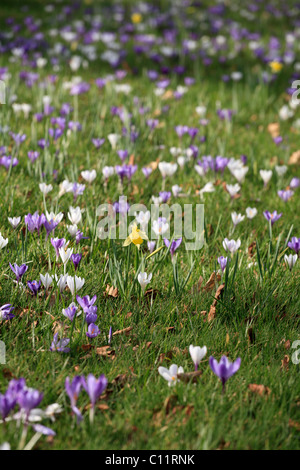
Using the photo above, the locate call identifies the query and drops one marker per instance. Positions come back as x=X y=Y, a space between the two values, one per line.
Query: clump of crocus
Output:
x=224 y=369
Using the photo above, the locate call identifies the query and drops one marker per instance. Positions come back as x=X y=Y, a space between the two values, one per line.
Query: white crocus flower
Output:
x=72 y=229
x=251 y=212
x=176 y=190
x=89 y=176
x=65 y=187
x=233 y=189
x=240 y=173
x=237 y=218
x=61 y=281
x=55 y=217
x=290 y=260
x=266 y=175
x=74 y=215
x=46 y=280
x=167 y=168
x=160 y=226
x=3 y=241
x=26 y=108
x=208 y=188
x=200 y=170
x=197 y=354
x=142 y=218
x=65 y=254
x=75 y=283
x=108 y=171
x=5 y=446
x=201 y=110
x=14 y=221
x=144 y=279
x=171 y=374
x=231 y=245
x=281 y=170
x=113 y=140
x=182 y=161
x=45 y=188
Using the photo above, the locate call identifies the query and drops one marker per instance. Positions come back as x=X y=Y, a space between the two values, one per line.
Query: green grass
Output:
x=254 y=319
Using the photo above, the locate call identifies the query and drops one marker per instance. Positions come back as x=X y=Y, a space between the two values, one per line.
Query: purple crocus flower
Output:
x=60 y=345
x=57 y=243
x=123 y=154
x=73 y=389
x=19 y=271
x=110 y=335
x=277 y=140
x=91 y=315
x=151 y=246
x=147 y=172
x=79 y=88
x=50 y=226
x=224 y=369
x=6 y=312
x=34 y=286
x=274 y=216
x=174 y=245
x=92 y=331
x=7 y=404
x=33 y=155
x=28 y=399
x=222 y=260
x=79 y=236
x=98 y=142
x=18 y=138
x=295 y=183
x=70 y=312
x=86 y=302
x=285 y=195
x=77 y=190
x=35 y=221
x=8 y=161
x=165 y=196
x=94 y=387
x=294 y=244
x=76 y=258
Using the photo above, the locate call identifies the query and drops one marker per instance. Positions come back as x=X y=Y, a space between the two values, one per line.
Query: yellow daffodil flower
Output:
x=136 y=237
x=136 y=18
x=275 y=66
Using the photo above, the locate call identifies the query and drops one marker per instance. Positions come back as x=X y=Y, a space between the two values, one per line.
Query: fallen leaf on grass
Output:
x=251 y=249
x=106 y=351
x=294 y=158
x=294 y=424
x=111 y=291
x=190 y=376
x=274 y=129
x=259 y=389
x=285 y=363
x=212 y=310
x=125 y=331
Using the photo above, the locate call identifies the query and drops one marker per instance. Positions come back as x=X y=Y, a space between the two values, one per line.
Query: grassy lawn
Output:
x=249 y=311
